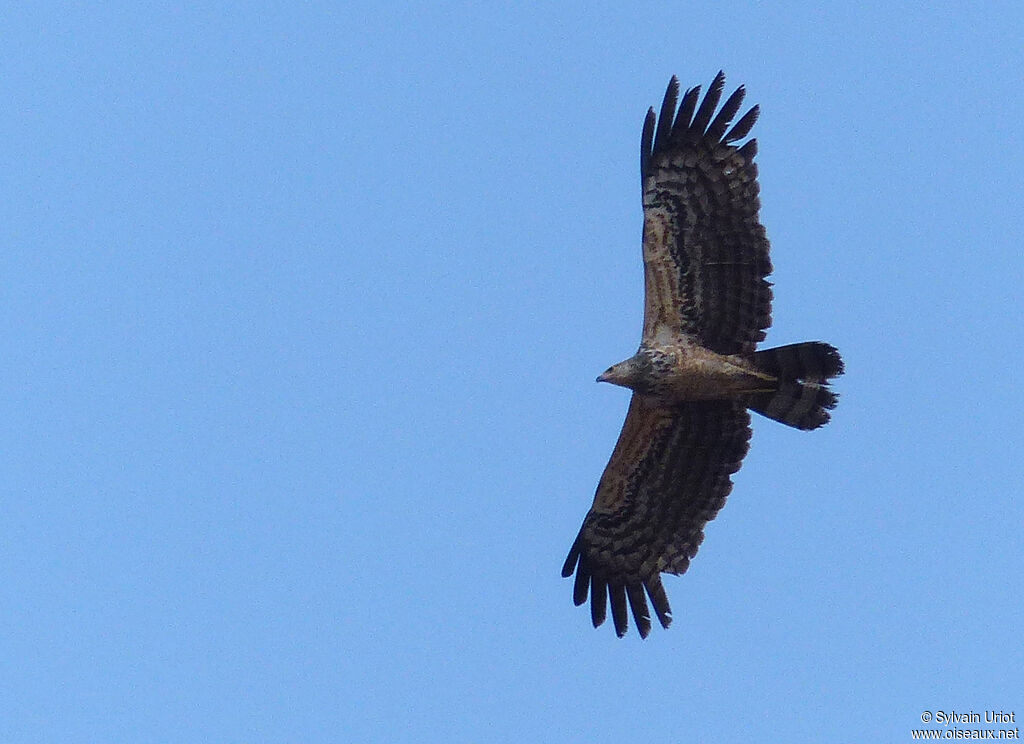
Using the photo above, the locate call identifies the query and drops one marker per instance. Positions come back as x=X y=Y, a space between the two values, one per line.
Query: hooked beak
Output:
x=603 y=377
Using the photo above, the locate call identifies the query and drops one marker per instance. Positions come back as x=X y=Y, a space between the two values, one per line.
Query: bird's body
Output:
x=683 y=372
x=707 y=303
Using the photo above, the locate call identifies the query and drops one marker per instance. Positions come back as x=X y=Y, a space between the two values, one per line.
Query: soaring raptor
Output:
x=706 y=306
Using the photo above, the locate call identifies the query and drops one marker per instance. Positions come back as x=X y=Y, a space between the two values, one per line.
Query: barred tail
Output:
x=803 y=398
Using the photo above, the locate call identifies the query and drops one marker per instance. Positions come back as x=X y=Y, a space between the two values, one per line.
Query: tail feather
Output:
x=811 y=361
x=802 y=399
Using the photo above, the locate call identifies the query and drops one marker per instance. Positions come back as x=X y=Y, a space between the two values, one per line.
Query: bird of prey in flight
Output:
x=697 y=372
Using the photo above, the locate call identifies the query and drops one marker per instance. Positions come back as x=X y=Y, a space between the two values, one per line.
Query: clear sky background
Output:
x=302 y=307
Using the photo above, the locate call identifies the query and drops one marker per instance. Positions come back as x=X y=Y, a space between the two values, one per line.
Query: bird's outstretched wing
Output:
x=705 y=250
x=668 y=477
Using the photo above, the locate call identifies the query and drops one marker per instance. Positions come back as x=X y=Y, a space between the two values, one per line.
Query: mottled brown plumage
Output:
x=707 y=304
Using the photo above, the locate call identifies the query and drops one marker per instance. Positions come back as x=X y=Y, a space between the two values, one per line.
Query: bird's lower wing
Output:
x=666 y=479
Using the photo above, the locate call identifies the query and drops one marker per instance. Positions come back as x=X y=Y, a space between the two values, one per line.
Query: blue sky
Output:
x=302 y=306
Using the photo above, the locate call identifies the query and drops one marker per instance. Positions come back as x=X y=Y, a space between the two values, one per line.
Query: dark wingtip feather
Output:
x=617 y=594
x=668 y=111
x=686 y=109
x=659 y=600
x=749 y=150
x=729 y=109
x=579 y=587
x=742 y=128
x=598 y=601
x=646 y=142
x=570 y=561
x=708 y=105
x=638 y=603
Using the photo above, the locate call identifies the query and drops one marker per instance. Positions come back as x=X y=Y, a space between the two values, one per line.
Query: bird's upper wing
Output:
x=668 y=477
x=705 y=251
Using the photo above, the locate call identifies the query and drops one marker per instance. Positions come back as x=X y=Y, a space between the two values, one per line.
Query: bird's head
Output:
x=628 y=374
